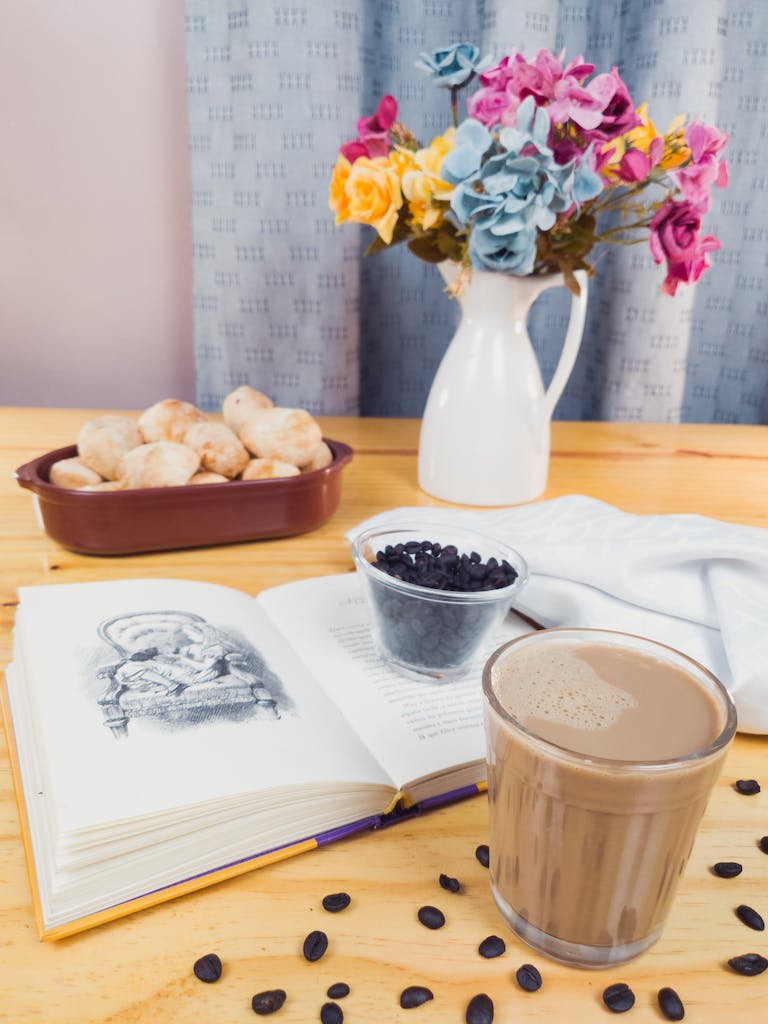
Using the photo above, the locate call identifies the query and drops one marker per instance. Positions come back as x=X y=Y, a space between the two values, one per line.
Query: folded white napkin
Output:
x=695 y=583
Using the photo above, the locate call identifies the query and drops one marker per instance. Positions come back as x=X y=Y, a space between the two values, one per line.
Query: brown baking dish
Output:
x=165 y=518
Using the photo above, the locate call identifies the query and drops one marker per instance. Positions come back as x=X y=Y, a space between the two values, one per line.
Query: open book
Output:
x=167 y=734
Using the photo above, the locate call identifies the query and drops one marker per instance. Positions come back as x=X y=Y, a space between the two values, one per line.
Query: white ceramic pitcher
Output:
x=485 y=434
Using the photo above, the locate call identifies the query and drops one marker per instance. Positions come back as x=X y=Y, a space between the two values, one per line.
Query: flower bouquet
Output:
x=550 y=160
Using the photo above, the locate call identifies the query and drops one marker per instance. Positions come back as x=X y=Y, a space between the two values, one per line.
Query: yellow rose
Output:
x=338 y=200
x=422 y=185
x=373 y=194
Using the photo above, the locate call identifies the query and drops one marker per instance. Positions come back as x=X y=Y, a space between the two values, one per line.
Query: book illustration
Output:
x=177 y=668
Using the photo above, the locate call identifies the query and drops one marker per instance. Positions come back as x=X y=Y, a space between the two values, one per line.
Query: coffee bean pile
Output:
x=429 y=564
x=434 y=634
x=618 y=997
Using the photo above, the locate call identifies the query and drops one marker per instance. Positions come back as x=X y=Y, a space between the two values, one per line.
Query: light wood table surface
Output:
x=139 y=969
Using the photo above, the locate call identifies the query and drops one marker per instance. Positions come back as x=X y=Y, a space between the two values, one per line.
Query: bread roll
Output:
x=219 y=448
x=289 y=435
x=159 y=464
x=105 y=485
x=209 y=478
x=266 y=469
x=73 y=473
x=240 y=404
x=322 y=457
x=168 y=420
x=102 y=442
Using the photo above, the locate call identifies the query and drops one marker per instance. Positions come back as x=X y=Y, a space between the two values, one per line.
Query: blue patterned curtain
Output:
x=283 y=299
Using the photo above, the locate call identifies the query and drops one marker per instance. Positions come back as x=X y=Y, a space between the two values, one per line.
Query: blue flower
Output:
x=518 y=191
x=453 y=66
x=472 y=141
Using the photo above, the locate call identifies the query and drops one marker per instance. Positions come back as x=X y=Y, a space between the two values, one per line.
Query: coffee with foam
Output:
x=602 y=751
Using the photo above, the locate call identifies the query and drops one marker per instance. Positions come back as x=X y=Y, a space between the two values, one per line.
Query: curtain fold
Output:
x=284 y=299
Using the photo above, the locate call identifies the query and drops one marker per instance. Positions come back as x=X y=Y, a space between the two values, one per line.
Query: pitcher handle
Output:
x=570 y=346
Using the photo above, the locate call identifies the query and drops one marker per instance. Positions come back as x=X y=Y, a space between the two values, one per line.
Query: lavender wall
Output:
x=95 y=235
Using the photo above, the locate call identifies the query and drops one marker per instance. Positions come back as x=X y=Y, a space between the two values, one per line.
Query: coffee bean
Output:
x=338 y=991
x=619 y=997
x=748 y=787
x=330 y=1013
x=748 y=964
x=438 y=567
x=750 y=917
x=336 y=901
x=208 y=968
x=451 y=884
x=727 y=868
x=415 y=995
x=431 y=917
x=491 y=947
x=528 y=978
x=671 y=1004
x=763 y=844
x=315 y=945
x=483 y=854
x=480 y=1010
x=268 y=1002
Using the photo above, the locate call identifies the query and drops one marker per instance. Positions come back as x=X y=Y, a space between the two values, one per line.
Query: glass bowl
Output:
x=425 y=632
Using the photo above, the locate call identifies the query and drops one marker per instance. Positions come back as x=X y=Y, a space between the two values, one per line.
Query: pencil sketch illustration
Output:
x=176 y=668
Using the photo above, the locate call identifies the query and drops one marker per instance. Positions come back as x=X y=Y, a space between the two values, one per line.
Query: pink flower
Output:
x=706 y=169
x=635 y=165
x=602 y=108
x=675 y=238
x=373 y=132
x=489 y=105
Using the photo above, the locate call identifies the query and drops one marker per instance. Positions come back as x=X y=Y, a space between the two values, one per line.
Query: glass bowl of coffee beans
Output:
x=435 y=594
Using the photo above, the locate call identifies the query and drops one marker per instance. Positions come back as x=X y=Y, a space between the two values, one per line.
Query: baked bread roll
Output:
x=266 y=469
x=73 y=473
x=103 y=441
x=322 y=457
x=289 y=435
x=169 y=420
x=209 y=478
x=219 y=448
x=158 y=464
x=240 y=404
x=105 y=485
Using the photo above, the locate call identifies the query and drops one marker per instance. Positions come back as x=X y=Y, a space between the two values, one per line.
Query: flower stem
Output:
x=454 y=105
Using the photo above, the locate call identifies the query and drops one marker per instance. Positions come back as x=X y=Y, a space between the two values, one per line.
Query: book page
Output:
x=414 y=728
x=150 y=695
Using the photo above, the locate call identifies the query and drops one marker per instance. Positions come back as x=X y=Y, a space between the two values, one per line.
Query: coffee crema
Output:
x=608 y=701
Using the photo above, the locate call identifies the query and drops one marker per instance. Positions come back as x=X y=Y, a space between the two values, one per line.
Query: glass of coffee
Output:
x=603 y=749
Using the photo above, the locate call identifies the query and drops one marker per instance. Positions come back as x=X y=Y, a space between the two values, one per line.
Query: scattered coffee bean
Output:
x=431 y=917
x=528 y=978
x=750 y=917
x=208 y=967
x=315 y=945
x=763 y=844
x=336 y=901
x=480 y=1010
x=619 y=997
x=268 y=1002
x=749 y=964
x=338 y=991
x=670 y=1004
x=451 y=884
x=330 y=1013
x=415 y=995
x=727 y=868
x=748 y=787
x=483 y=854
x=491 y=947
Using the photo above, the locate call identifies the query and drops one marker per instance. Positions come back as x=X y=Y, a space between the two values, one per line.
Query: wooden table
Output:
x=140 y=968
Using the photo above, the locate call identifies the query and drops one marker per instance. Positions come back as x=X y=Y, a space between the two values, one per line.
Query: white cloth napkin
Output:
x=695 y=583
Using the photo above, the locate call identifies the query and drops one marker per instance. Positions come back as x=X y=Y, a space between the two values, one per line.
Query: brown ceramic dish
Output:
x=165 y=518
